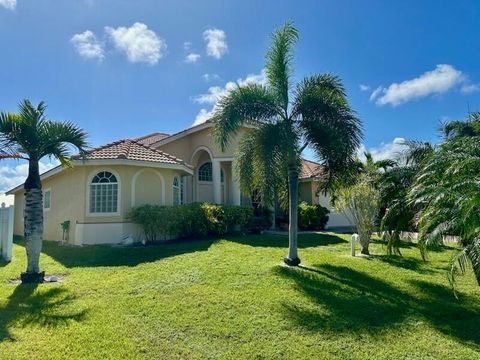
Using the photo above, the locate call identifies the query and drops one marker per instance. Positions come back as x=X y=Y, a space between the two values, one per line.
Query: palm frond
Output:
x=250 y=104
x=278 y=68
x=327 y=121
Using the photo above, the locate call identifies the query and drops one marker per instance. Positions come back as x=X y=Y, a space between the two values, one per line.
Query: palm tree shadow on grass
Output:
x=105 y=255
x=346 y=300
x=408 y=263
x=279 y=241
x=46 y=308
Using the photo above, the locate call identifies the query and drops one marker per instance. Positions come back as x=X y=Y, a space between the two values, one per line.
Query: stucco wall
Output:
x=70 y=191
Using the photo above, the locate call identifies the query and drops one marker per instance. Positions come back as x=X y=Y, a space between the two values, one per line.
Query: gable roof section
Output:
x=310 y=170
x=151 y=138
x=181 y=134
x=130 y=150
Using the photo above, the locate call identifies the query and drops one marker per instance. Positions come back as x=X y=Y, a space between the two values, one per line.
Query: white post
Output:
x=217 y=184
x=236 y=194
x=353 y=242
x=6 y=231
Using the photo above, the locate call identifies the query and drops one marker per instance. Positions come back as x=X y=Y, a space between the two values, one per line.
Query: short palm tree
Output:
x=30 y=136
x=285 y=120
x=447 y=190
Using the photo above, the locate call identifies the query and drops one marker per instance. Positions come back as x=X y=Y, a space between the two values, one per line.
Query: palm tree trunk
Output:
x=292 y=259
x=33 y=219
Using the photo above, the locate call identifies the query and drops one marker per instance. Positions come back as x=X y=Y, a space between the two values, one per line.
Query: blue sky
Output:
x=122 y=68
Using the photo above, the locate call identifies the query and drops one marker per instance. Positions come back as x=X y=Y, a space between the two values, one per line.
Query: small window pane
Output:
x=205 y=172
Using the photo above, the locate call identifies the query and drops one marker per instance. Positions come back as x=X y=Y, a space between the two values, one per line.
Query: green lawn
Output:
x=233 y=299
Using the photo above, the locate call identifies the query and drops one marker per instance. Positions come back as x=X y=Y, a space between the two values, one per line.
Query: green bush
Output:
x=192 y=220
x=262 y=219
x=312 y=217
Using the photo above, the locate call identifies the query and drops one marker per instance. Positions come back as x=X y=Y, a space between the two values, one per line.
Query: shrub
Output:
x=262 y=219
x=191 y=220
x=312 y=217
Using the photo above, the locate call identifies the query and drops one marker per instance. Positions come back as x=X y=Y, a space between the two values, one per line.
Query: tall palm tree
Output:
x=30 y=136
x=287 y=119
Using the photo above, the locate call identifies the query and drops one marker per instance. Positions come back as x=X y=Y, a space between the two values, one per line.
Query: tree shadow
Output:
x=345 y=300
x=48 y=308
x=106 y=255
x=407 y=263
x=280 y=241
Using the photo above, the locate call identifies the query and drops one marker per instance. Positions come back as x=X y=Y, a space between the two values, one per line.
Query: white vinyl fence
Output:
x=6 y=232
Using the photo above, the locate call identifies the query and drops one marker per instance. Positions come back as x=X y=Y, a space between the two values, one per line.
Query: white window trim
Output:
x=43 y=205
x=119 y=189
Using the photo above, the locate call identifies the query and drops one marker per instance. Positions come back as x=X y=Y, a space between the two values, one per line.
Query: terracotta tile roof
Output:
x=151 y=138
x=130 y=150
x=310 y=169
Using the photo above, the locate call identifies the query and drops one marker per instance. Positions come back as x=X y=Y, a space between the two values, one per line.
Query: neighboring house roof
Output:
x=310 y=169
x=130 y=150
x=151 y=138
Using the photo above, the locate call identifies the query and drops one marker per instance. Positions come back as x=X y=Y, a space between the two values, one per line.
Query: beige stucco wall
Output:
x=185 y=147
x=70 y=191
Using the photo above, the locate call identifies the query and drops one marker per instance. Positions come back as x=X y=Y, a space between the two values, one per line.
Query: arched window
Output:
x=205 y=172
x=104 y=193
x=176 y=191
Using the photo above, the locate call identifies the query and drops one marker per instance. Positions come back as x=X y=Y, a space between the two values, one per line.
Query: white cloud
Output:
x=390 y=150
x=438 y=81
x=216 y=92
x=469 y=88
x=9 y=4
x=210 y=77
x=192 y=58
x=187 y=45
x=14 y=175
x=202 y=116
x=216 y=41
x=364 y=87
x=139 y=43
x=88 y=46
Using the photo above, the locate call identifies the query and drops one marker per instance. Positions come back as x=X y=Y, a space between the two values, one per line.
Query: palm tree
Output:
x=30 y=136
x=285 y=120
x=460 y=128
x=447 y=191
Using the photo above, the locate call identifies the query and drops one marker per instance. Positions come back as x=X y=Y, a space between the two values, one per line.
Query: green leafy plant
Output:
x=312 y=217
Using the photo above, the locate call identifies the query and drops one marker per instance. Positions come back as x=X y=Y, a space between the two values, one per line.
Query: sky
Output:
x=122 y=69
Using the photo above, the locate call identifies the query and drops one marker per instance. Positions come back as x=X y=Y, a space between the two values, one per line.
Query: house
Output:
x=93 y=198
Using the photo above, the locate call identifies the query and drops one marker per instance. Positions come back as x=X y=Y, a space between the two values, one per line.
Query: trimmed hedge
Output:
x=312 y=217
x=190 y=220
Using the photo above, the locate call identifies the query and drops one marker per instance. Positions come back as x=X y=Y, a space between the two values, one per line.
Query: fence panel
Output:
x=6 y=232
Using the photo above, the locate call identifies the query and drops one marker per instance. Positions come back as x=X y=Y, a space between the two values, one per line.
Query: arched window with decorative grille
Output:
x=104 y=193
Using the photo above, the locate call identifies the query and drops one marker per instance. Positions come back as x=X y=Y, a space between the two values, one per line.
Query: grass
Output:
x=232 y=299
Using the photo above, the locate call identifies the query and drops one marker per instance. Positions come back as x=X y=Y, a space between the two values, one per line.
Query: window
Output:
x=183 y=194
x=176 y=191
x=205 y=173
x=47 y=199
x=104 y=193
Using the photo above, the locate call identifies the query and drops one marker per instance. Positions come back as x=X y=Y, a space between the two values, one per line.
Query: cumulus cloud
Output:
x=138 y=42
x=8 y=4
x=438 y=81
x=216 y=42
x=14 y=175
x=390 y=150
x=364 y=87
x=87 y=45
x=216 y=92
x=192 y=58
